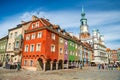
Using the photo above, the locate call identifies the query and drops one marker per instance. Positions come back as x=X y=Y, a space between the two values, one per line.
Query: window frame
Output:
x=39 y=34
x=31 y=62
x=32 y=50
x=28 y=37
x=53 y=36
x=33 y=37
x=52 y=48
x=26 y=49
x=38 y=49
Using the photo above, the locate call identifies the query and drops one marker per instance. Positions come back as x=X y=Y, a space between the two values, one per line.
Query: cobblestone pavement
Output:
x=87 y=73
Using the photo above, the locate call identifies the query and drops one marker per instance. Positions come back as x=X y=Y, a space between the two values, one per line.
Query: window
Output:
x=76 y=46
x=39 y=35
x=53 y=36
x=38 y=47
x=61 y=40
x=17 y=44
x=37 y=24
x=66 y=52
x=16 y=34
x=31 y=62
x=32 y=48
x=9 y=45
x=52 y=48
x=76 y=54
x=33 y=36
x=25 y=62
x=28 y=37
x=70 y=52
x=26 y=48
x=61 y=50
x=11 y=34
x=66 y=43
x=33 y=26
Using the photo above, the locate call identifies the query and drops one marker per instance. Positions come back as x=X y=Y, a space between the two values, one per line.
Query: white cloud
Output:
x=71 y=19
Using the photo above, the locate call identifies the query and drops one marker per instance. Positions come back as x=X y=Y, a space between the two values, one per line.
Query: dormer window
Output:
x=33 y=26
x=37 y=24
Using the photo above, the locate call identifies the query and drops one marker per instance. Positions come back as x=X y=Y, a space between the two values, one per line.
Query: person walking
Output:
x=99 y=66
x=18 y=66
x=81 y=65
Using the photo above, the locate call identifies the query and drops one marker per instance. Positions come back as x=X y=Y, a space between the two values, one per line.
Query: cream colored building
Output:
x=15 y=42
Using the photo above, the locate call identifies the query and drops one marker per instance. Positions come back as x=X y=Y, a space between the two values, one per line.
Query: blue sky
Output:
x=101 y=14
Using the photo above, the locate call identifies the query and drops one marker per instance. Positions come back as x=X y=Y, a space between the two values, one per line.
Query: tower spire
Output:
x=83 y=12
x=82 y=9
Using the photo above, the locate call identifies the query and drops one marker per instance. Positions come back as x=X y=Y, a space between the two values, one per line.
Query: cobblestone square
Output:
x=87 y=73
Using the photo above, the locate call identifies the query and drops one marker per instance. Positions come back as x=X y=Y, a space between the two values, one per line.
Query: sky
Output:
x=101 y=14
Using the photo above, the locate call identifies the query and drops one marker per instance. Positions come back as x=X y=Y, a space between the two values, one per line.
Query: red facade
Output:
x=39 y=43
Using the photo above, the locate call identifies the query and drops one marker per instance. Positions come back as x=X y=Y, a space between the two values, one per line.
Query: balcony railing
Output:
x=17 y=50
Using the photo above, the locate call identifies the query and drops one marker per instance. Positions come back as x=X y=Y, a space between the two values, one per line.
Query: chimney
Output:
x=34 y=18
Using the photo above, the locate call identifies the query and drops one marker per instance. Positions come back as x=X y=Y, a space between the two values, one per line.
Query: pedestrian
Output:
x=18 y=66
x=102 y=66
x=81 y=65
x=99 y=66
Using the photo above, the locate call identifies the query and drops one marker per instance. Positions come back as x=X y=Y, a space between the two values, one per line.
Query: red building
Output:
x=40 y=48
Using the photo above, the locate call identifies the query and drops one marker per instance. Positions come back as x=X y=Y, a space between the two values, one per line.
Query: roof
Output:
x=19 y=26
x=84 y=35
x=5 y=37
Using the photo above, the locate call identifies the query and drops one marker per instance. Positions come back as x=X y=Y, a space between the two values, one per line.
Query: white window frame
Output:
x=28 y=37
x=31 y=62
x=52 y=48
x=33 y=36
x=53 y=36
x=61 y=50
x=26 y=48
x=66 y=52
x=37 y=24
x=32 y=50
x=33 y=26
x=61 y=40
x=39 y=35
x=37 y=47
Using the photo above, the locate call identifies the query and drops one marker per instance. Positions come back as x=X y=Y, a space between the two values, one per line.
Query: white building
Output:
x=100 y=54
x=96 y=40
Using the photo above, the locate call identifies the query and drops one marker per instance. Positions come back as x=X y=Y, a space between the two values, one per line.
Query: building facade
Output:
x=48 y=47
x=3 y=43
x=118 y=53
x=108 y=50
x=100 y=54
x=96 y=41
x=15 y=43
x=114 y=55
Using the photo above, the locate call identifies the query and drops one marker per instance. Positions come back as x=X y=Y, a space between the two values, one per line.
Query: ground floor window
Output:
x=25 y=62
x=31 y=62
